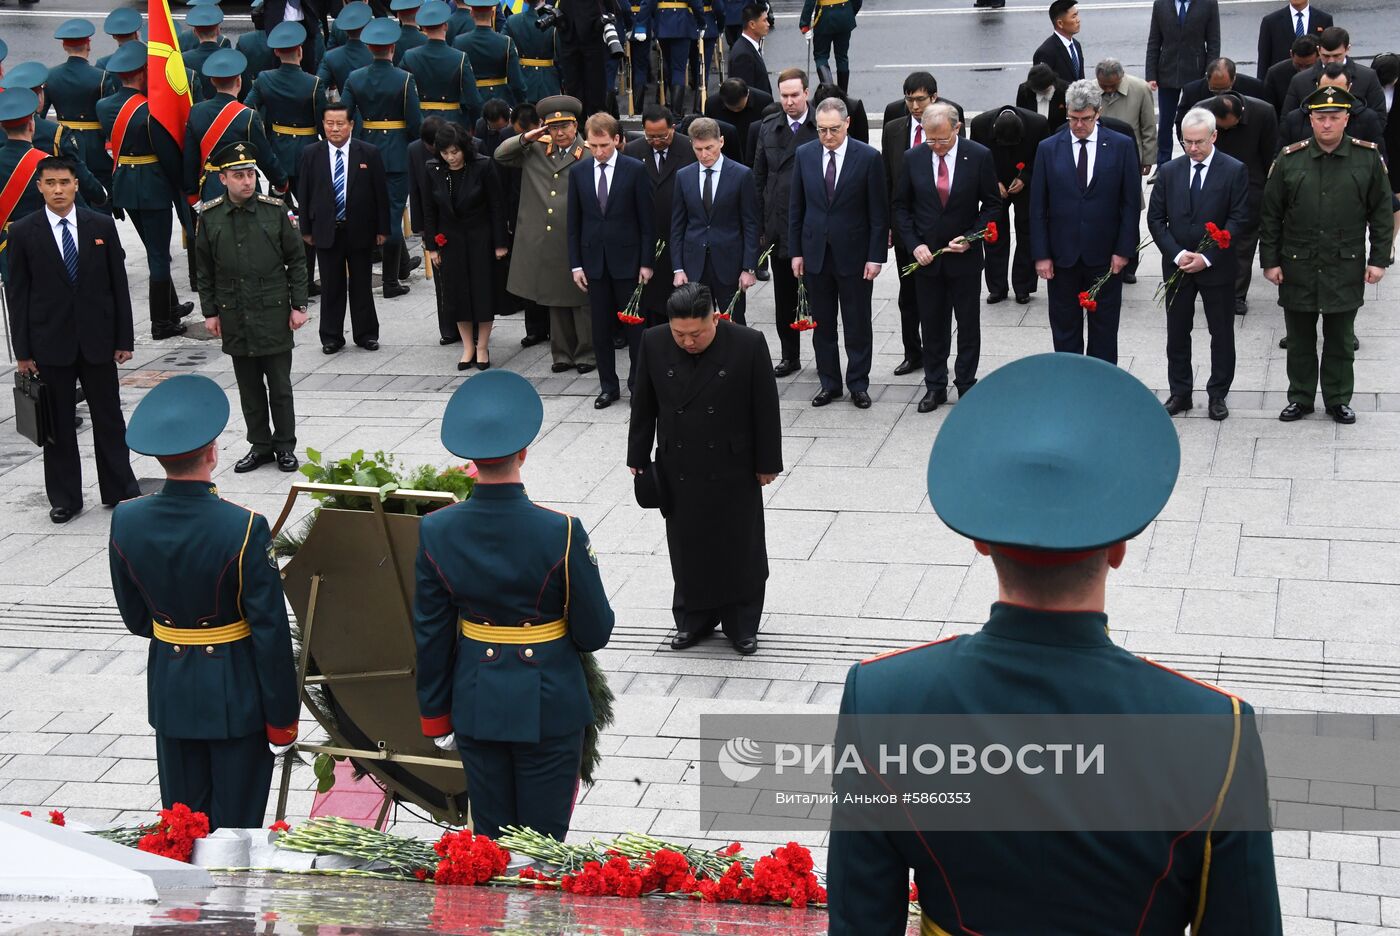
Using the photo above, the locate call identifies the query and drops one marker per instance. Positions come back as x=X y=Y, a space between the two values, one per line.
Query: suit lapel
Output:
x=50 y=247
x=84 y=242
x=351 y=169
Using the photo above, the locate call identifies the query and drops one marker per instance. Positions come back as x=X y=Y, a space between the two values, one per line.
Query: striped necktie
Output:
x=338 y=180
x=70 y=251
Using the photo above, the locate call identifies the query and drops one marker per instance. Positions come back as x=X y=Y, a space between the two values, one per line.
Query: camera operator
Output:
x=583 y=50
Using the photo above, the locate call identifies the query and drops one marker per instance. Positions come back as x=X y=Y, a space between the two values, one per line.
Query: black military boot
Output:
x=392 y=287
x=163 y=325
x=178 y=309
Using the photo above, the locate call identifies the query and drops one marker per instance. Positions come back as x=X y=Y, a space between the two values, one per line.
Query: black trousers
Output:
x=1023 y=280
x=738 y=620
x=358 y=262
x=723 y=292
x=908 y=306
x=584 y=73
x=606 y=297
x=825 y=291
x=1218 y=301
x=265 y=387
x=1067 y=318
x=63 y=468
x=522 y=784
x=227 y=780
x=785 y=301
x=941 y=298
x=1245 y=246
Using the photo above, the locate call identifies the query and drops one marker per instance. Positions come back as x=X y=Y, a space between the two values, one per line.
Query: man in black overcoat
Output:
x=706 y=394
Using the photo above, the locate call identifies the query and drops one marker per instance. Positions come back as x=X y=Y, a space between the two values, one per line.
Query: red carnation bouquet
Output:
x=803 y=321
x=1215 y=236
x=175 y=833
x=728 y=313
x=1089 y=298
x=468 y=858
x=631 y=313
x=988 y=234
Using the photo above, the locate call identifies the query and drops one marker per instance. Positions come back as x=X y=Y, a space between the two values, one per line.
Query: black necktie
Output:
x=707 y=196
x=660 y=160
x=1083 y=165
x=1196 y=183
x=1298 y=29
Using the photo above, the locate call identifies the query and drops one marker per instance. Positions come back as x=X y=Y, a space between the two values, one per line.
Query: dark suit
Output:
x=736 y=144
x=1007 y=158
x=1365 y=86
x=611 y=244
x=1177 y=52
x=1277 y=30
x=315 y=13
x=1251 y=141
x=1081 y=230
x=1025 y=97
x=1177 y=221
x=1392 y=140
x=1052 y=52
x=663 y=183
x=418 y=156
x=349 y=244
x=1276 y=83
x=895 y=139
x=746 y=62
x=72 y=330
x=775 y=148
x=1199 y=90
x=948 y=286
x=713 y=247
x=836 y=238
x=897 y=108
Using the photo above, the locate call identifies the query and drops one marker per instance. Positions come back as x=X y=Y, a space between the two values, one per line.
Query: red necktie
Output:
x=918 y=134
x=943 y=182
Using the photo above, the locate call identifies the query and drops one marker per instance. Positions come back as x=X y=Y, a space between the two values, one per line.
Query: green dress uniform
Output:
x=344 y=60
x=219 y=121
x=54 y=139
x=410 y=38
x=1313 y=224
x=538 y=53
x=17 y=168
x=73 y=89
x=250 y=263
x=260 y=57
x=496 y=64
x=200 y=16
x=459 y=22
x=1071 y=476
x=508 y=594
x=831 y=22
x=446 y=84
x=195 y=59
x=194 y=574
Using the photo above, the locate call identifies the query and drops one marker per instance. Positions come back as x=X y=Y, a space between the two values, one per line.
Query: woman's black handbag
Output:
x=33 y=409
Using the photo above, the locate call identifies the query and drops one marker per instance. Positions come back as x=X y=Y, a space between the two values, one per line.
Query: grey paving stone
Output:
x=697 y=687
x=83 y=745
x=738 y=687
x=54 y=767
x=76 y=722
x=1353 y=908
x=109 y=795
x=27 y=742
x=1337 y=846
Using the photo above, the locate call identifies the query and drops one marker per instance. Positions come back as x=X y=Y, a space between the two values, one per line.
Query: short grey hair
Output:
x=1109 y=68
x=703 y=128
x=1084 y=94
x=833 y=105
x=940 y=112
x=1198 y=117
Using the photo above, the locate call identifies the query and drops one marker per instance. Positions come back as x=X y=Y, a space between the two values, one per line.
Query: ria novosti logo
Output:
x=740 y=759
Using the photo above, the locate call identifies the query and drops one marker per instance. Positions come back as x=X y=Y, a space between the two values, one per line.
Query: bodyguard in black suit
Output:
x=1333 y=46
x=1246 y=128
x=745 y=57
x=1278 y=30
x=1061 y=51
x=947 y=192
x=611 y=242
x=742 y=108
x=70 y=322
x=1012 y=134
x=1281 y=74
x=1183 y=37
x=1221 y=77
x=1203 y=186
x=344 y=223
x=1387 y=69
x=663 y=151
x=838 y=232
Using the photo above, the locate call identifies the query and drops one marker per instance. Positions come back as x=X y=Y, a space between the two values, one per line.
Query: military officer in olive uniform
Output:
x=446 y=82
x=53 y=138
x=383 y=102
x=352 y=54
x=195 y=575
x=74 y=88
x=410 y=36
x=495 y=59
x=538 y=52
x=831 y=23
x=1054 y=534
x=220 y=120
x=1322 y=195
x=145 y=180
x=508 y=595
x=251 y=266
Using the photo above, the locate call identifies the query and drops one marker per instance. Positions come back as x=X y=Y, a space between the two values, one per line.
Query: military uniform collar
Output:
x=1053 y=628
x=289 y=66
x=223 y=96
x=189 y=488
x=1317 y=152
x=497 y=491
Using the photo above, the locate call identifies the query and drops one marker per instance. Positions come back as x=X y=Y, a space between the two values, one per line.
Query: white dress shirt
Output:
x=611 y=167
x=1073 y=53
x=714 y=182
x=753 y=42
x=1389 y=92
x=1191 y=171
x=331 y=150
x=1043 y=99
x=1307 y=18
x=840 y=152
x=72 y=219
x=293 y=13
x=795 y=120
x=1092 y=148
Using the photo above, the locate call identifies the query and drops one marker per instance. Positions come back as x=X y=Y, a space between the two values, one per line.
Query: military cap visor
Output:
x=17 y=103
x=434 y=13
x=481 y=3
x=354 y=16
x=122 y=22
x=402 y=6
x=559 y=108
x=26 y=75
x=1329 y=100
x=74 y=29
x=199 y=3
x=287 y=35
x=1055 y=452
x=128 y=58
x=204 y=16
x=225 y=63
x=179 y=416
x=493 y=415
x=382 y=31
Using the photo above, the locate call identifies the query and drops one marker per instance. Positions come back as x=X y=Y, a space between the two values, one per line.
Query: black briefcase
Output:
x=33 y=409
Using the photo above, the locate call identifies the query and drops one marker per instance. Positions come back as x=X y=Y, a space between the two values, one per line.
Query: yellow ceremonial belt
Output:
x=80 y=124
x=827 y=3
x=525 y=634
x=293 y=131
x=537 y=63
x=384 y=125
x=672 y=5
x=490 y=82
x=926 y=926
x=228 y=633
x=137 y=160
x=439 y=105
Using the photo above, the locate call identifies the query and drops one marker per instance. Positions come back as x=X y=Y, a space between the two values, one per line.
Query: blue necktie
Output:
x=1196 y=183
x=1298 y=27
x=1181 y=16
x=70 y=251
x=338 y=180
x=1074 y=60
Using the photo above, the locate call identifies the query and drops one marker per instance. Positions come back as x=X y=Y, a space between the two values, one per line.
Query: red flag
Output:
x=168 y=87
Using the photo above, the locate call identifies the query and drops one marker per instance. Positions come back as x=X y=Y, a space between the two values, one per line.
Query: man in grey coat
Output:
x=1183 y=37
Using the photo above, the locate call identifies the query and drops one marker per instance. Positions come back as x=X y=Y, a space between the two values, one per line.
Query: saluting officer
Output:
x=538 y=52
x=508 y=595
x=145 y=180
x=446 y=82
x=676 y=26
x=1322 y=195
x=350 y=55
x=74 y=88
x=219 y=121
x=1076 y=475
x=831 y=23
x=410 y=37
x=52 y=138
x=206 y=21
x=19 y=161
x=383 y=102
x=196 y=575
x=495 y=59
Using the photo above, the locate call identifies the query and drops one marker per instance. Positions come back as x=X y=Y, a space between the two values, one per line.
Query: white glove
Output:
x=447 y=742
x=278 y=749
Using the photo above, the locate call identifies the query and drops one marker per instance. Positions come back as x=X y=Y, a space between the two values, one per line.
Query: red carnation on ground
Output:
x=56 y=817
x=175 y=833
x=280 y=826
x=27 y=813
x=440 y=240
x=468 y=858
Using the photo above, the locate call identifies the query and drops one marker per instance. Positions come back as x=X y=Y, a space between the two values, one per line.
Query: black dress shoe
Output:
x=1355 y=343
x=763 y=275
x=1342 y=413
x=907 y=366
x=824 y=397
x=465 y=365
x=1129 y=279
x=1023 y=298
x=414 y=262
x=332 y=347
x=162 y=332
x=286 y=461
x=932 y=400
x=313 y=289
x=586 y=368
x=181 y=309
x=529 y=341
x=369 y=344
x=558 y=367
x=1178 y=404
x=747 y=646
x=1217 y=410
x=619 y=342
x=62 y=514
x=251 y=461
x=605 y=400
x=1241 y=307
x=684 y=639
x=1294 y=411
x=1283 y=342
x=861 y=399
x=994 y=298
x=786 y=367
x=447 y=341
x=394 y=290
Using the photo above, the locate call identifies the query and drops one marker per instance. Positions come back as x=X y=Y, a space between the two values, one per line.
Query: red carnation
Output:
x=25 y=812
x=913 y=892
x=56 y=817
x=420 y=873
x=991 y=235
x=1020 y=167
x=440 y=240
x=1087 y=303
x=280 y=826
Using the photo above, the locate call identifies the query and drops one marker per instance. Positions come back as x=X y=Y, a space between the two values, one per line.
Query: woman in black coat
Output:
x=464 y=231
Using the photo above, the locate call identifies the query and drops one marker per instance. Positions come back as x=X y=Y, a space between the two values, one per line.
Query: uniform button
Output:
x=490 y=652
x=548 y=227
x=527 y=624
x=678 y=445
x=709 y=409
x=552 y=194
x=680 y=412
x=208 y=649
x=556 y=175
x=709 y=445
x=682 y=477
x=550 y=210
x=529 y=652
x=176 y=648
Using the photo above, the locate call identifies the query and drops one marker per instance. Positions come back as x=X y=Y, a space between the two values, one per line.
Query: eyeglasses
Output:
x=1194 y=144
x=947 y=141
x=830 y=131
x=1084 y=120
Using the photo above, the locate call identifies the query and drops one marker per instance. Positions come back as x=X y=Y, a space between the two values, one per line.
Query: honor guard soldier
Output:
x=196 y=575
x=676 y=25
x=74 y=89
x=446 y=83
x=253 y=45
x=1321 y=197
x=459 y=22
x=831 y=23
x=19 y=161
x=145 y=180
x=383 y=102
x=189 y=38
x=350 y=55
x=410 y=36
x=53 y=139
x=206 y=21
x=508 y=595
x=219 y=121
x=639 y=48
x=123 y=25
x=1076 y=477
x=537 y=50
x=495 y=59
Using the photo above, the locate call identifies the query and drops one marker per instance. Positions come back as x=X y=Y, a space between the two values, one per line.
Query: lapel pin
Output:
x=98 y=242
